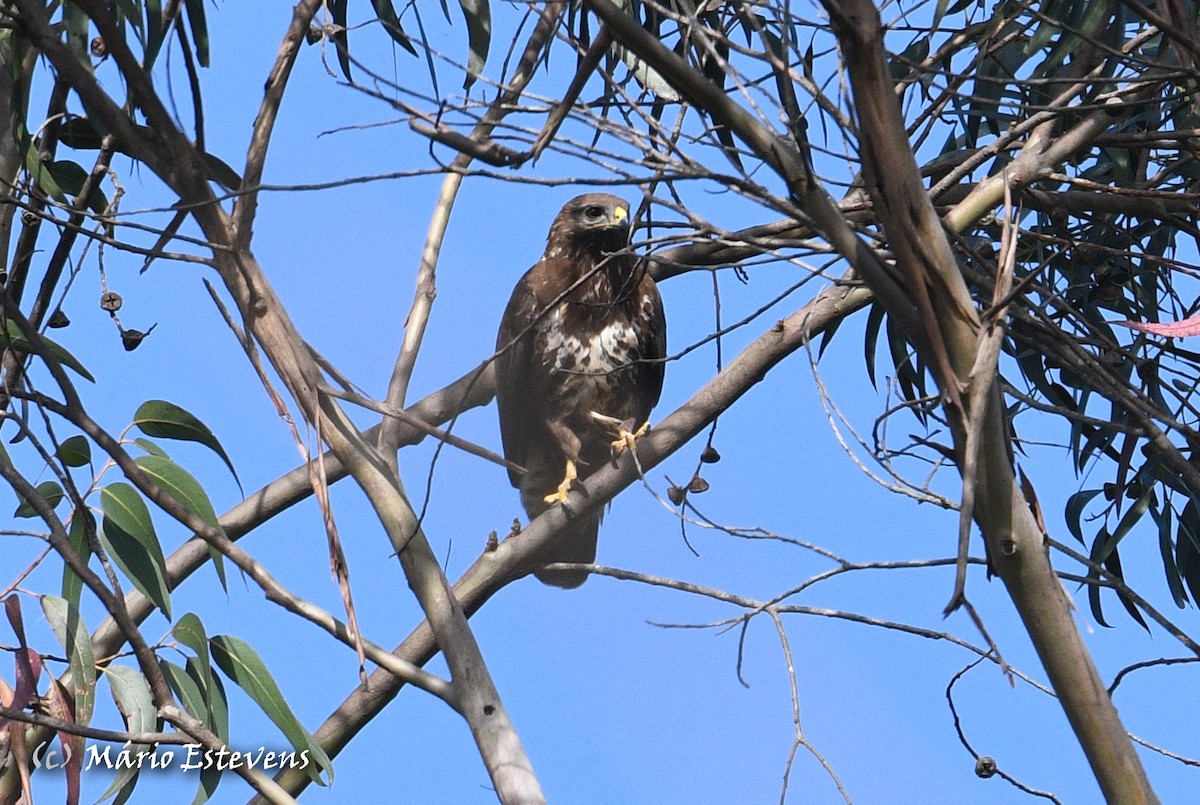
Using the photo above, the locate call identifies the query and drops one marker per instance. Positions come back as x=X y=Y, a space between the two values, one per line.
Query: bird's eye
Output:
x=593 y=213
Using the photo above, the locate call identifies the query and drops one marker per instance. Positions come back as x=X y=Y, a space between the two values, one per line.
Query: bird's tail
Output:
x=576 y=543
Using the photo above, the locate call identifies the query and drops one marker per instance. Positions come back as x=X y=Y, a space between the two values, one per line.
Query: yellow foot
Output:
x=564 y=489
x=628 y=441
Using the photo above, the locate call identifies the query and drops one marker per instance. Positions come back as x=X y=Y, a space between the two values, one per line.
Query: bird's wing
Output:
x=653 y=346
x=514 y=396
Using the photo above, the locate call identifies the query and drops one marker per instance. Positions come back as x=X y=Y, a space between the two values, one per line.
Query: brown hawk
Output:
x=580 y=360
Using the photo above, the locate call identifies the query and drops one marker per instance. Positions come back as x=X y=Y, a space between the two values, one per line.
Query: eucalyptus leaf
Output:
x=128 y=534
x=49 y=491
x=243 y=665
x=165 y=420
x=72 y=634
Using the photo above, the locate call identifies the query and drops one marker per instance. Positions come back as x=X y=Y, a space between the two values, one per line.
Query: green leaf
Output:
x=128 y=534
x=49 y=491
x=155 y=33
x=243 y=665
x=871 y=340
x=199 y=28
x=1187 y=548
x=391 y=23
x=478 y=15
x=1135 y=513
x=72 y=583
x=187 y=490
x=341 y=43
x=210 y=778
x=187 y=689
x=218 y=702
x=828 y=337
x=71 y=178
x=71 y=632
x=180 y=484
x=1113 y=565
x=131 y=692
x=164 y=420
x=79 y=133
x=1075 y=506
x=1098 y=554
x=12 y=339
x=76 y=23
x=1163 y=518
x=189 y=630
x=222 y=173
x=75 y=452
x=151 y=448
x=39 y=171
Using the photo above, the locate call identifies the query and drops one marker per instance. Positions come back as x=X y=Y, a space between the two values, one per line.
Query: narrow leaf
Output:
x=1134 y=514
x=71 y=632
x=58 y=700
x=478 y=14
x=76 y=23
x=131 y=692
x=12 y=339
x=391 y=24
x=187 y=490
x=1174 y=582
x=242 y=664
x=190 y=631
x=871 y=340
x=1113 y=565
x=337 y=12
x=180 y=484
x=164 y=420
x=1093 y=589
x=72 y=584
x=199 y=28
x=128 y=534
x=155 y=33
x=151 y=448
x=185 y=689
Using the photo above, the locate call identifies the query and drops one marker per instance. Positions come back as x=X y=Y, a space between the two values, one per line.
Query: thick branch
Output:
x=181 y=165
x=1015 y=540
x=517 y=555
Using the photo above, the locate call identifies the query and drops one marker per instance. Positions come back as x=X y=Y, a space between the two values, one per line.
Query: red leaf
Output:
x=29 y=668
x=62 y=707
x=12 y=607
x=1170 y=329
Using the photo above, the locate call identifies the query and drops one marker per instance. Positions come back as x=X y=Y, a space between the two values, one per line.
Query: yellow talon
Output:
x=628 y=441
x=564 y=489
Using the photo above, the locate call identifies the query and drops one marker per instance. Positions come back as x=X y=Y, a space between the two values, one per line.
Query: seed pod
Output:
x=131 y=339
x=111 y=301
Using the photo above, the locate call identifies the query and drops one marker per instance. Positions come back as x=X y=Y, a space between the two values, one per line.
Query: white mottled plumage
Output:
x=604 y=352
x=579 y=359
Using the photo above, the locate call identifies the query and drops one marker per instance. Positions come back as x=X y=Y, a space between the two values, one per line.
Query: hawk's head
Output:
x=593 y=223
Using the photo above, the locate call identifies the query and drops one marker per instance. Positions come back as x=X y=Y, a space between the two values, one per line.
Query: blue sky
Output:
x=611 y=707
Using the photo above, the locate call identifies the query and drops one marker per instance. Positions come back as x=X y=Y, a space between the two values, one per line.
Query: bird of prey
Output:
x=580 y=361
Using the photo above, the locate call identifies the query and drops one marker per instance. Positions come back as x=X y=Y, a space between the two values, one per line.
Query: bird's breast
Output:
x=596 y=352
